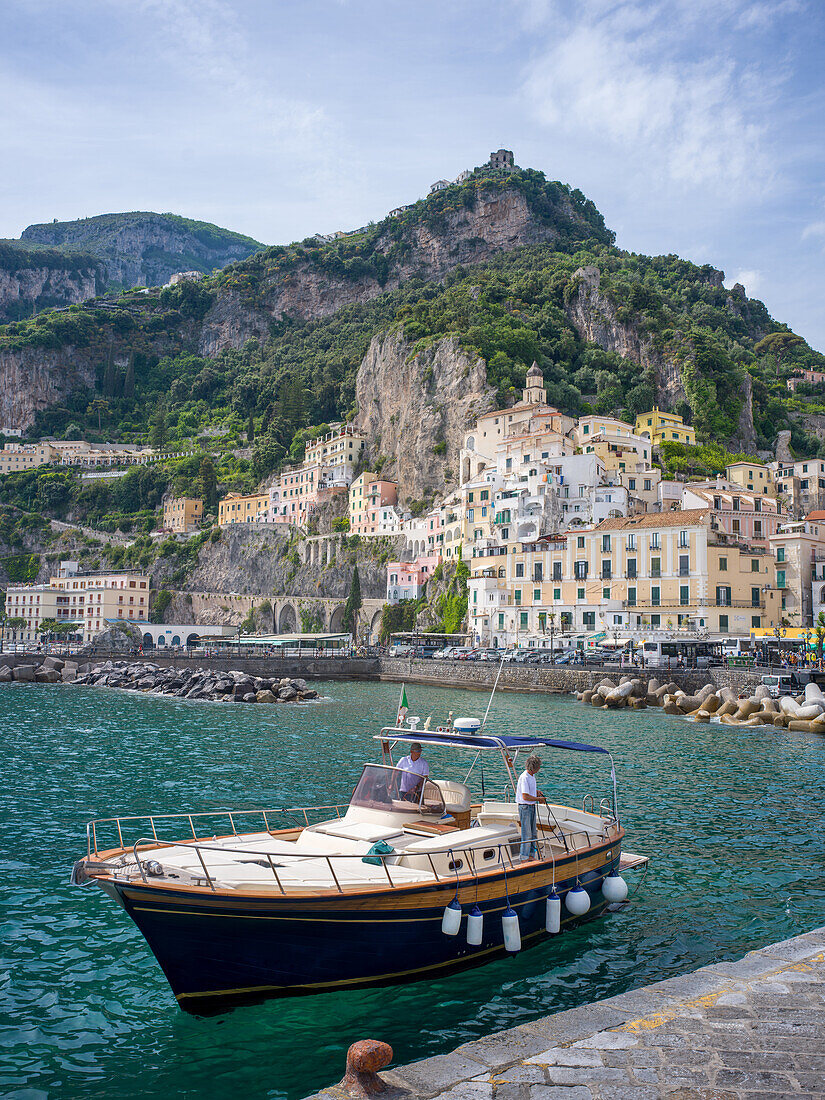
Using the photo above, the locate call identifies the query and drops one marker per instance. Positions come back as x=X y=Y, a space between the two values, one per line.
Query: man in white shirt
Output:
x=415 y=769
x=527 y=797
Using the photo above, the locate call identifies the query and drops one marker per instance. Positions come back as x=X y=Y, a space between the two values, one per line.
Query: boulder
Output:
x=813 y=694
x=52 y=662
x=672 y=708
x=800 y=724
x=310 y=693
x=710 y=704
x=47 y=676
x=617 y=696
x=24 y=673
x=704 y=692
x=6 y=676
x=299 y=684
x=265 y=696
x=249 y=697
x=780 y=720
x=597 y=699
x=586 y=696
x=287 y=693
x=653 y=686
x=762 y=692
x=728 y=707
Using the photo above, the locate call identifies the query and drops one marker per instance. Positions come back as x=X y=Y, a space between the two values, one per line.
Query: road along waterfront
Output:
x=731 y=819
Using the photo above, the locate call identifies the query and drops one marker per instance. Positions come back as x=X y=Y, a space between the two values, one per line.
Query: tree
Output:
x=819 y=631
x=353 y=605
x=250 y=429
x=778 y=344
x=129 y=379
x=159 y=435
x=99 y=405
x=209 y=482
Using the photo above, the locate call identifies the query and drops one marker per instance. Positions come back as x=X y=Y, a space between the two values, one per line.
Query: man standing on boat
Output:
x=415 y=769
x=527 y=797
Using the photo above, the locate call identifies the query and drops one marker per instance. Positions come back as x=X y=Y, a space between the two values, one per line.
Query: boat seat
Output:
x=488 y=835
x=457 y=797
x=369 y=831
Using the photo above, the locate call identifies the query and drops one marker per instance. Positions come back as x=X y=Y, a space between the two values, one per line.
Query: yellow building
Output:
x=668 y=571
x=753 y=476
x=92 y=600
x=182 y=514
x=26 y=456
x=235 y=508
x=661 y=427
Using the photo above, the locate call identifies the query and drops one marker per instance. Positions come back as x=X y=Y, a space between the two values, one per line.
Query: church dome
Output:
x=534 y=371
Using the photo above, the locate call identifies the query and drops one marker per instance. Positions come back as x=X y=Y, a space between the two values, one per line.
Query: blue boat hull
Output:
x=218 y=949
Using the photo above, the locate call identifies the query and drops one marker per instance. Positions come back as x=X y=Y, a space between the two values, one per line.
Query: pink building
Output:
x=372 y=506
x=749 y=516
x=806 y=375
x=406 y=579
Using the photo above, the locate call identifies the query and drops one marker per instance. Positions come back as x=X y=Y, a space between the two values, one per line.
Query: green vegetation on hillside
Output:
x=511 y=310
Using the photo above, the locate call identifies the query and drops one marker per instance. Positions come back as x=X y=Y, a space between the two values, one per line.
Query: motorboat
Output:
x=393 y=886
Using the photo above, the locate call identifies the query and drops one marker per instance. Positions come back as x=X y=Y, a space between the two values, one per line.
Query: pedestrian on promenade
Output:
x=527 y=797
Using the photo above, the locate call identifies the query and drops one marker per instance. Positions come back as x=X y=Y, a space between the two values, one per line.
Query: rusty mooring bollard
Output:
x=364 y=1059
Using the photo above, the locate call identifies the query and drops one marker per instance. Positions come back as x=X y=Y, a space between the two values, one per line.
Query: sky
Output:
x=696 y=127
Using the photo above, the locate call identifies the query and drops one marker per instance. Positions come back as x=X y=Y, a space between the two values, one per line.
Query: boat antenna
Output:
x=492 y=693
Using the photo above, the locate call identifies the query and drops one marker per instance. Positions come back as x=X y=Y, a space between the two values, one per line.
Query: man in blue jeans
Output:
x=527 y=797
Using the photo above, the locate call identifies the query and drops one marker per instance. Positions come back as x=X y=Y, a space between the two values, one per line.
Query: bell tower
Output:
x=533 y=393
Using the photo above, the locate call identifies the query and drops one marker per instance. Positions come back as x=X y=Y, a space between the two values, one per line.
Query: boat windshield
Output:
x=383 y=788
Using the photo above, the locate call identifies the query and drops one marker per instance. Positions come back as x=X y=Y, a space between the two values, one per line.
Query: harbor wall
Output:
x=471 y=675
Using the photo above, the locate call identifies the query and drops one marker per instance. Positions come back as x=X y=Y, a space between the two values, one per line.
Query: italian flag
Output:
x=403 y=706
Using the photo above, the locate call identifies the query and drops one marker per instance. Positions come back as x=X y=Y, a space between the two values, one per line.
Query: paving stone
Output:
x=585 y=1075
x=752 y=1079
x=608 y=1040
x=522 y=1075
x=565 y=1056
x=577 y=1023
x=560 y=1092
x=628 y=1092
x=756 y=1059
x=432 y=1075
x=503 y=1047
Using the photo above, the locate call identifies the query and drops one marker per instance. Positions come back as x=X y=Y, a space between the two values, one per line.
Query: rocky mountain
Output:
x=414 y=324
x=32 y=279
x=415 y=408
x=142 y=248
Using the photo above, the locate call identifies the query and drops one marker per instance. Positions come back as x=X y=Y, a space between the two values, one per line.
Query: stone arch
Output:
x=336 y=619
x=822 y=594
x=375 y=625
x=192 y=639
x=287 y=619
x=176 y=639
x=465 y=470
x=148 y=641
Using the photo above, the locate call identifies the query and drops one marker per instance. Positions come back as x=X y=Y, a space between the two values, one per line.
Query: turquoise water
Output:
x=733 y=820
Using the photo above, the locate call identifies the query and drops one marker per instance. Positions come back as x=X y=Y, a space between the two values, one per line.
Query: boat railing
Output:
x=297 y=817
x=453 y=875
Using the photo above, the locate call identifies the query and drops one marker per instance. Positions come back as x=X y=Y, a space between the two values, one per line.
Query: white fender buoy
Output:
x=577 y=901
x=552 y=913
x=512 y=933
x=475 y=926
x=451 y=921
x=614 y=887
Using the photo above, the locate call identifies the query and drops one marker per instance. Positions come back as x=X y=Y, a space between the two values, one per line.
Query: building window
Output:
x=631 y=484
x=501 y=622
x=655 y=620
x=605 y=593
x=780 y=553
x=647 y=484
x=683 y=539
x=755 y=594
x=654 y=541
x=754 y=565
x=580 y=570
x=579 y=593
x=723 y=565
x=723 y=624
x=523 y=620
x=556 y=570
x=538 y=571
x=589 y=620
x=605 y=544
x=536 y=595
x=684 y=595
x=631 y=542
x=556 y=593
x=518 y=596
x=655 y=567
x=580 y=542
x=606 y=570
x=519 y=568
x=631 y=568
x=631 y=597
x=756 y=620
x=655 y=595
x=723 y=595
x=780 y=580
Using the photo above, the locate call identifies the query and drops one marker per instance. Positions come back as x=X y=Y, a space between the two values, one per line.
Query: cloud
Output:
x=626 y=77
x=751 y=280
x=815 y=229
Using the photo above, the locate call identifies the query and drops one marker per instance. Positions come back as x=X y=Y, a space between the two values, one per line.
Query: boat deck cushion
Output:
x=464 y=838
x=359 y=830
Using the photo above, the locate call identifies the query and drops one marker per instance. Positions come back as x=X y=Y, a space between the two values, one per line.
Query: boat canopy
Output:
x=480 y=741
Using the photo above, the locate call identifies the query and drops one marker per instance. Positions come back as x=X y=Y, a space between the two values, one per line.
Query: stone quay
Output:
x=753 y=1029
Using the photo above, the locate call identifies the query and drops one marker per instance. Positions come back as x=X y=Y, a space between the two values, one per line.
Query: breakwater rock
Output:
x=805 y=712
x=196 y=683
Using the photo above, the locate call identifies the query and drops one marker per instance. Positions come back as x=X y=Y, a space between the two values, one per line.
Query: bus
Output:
x=680 y=654
x=418 y=644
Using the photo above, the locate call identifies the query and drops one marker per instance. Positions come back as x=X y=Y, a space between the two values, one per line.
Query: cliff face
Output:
x=33 y=279
x=34 y=378
x=145 y=249
x=498 y=222
x=415 y=409
x=594 y=317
